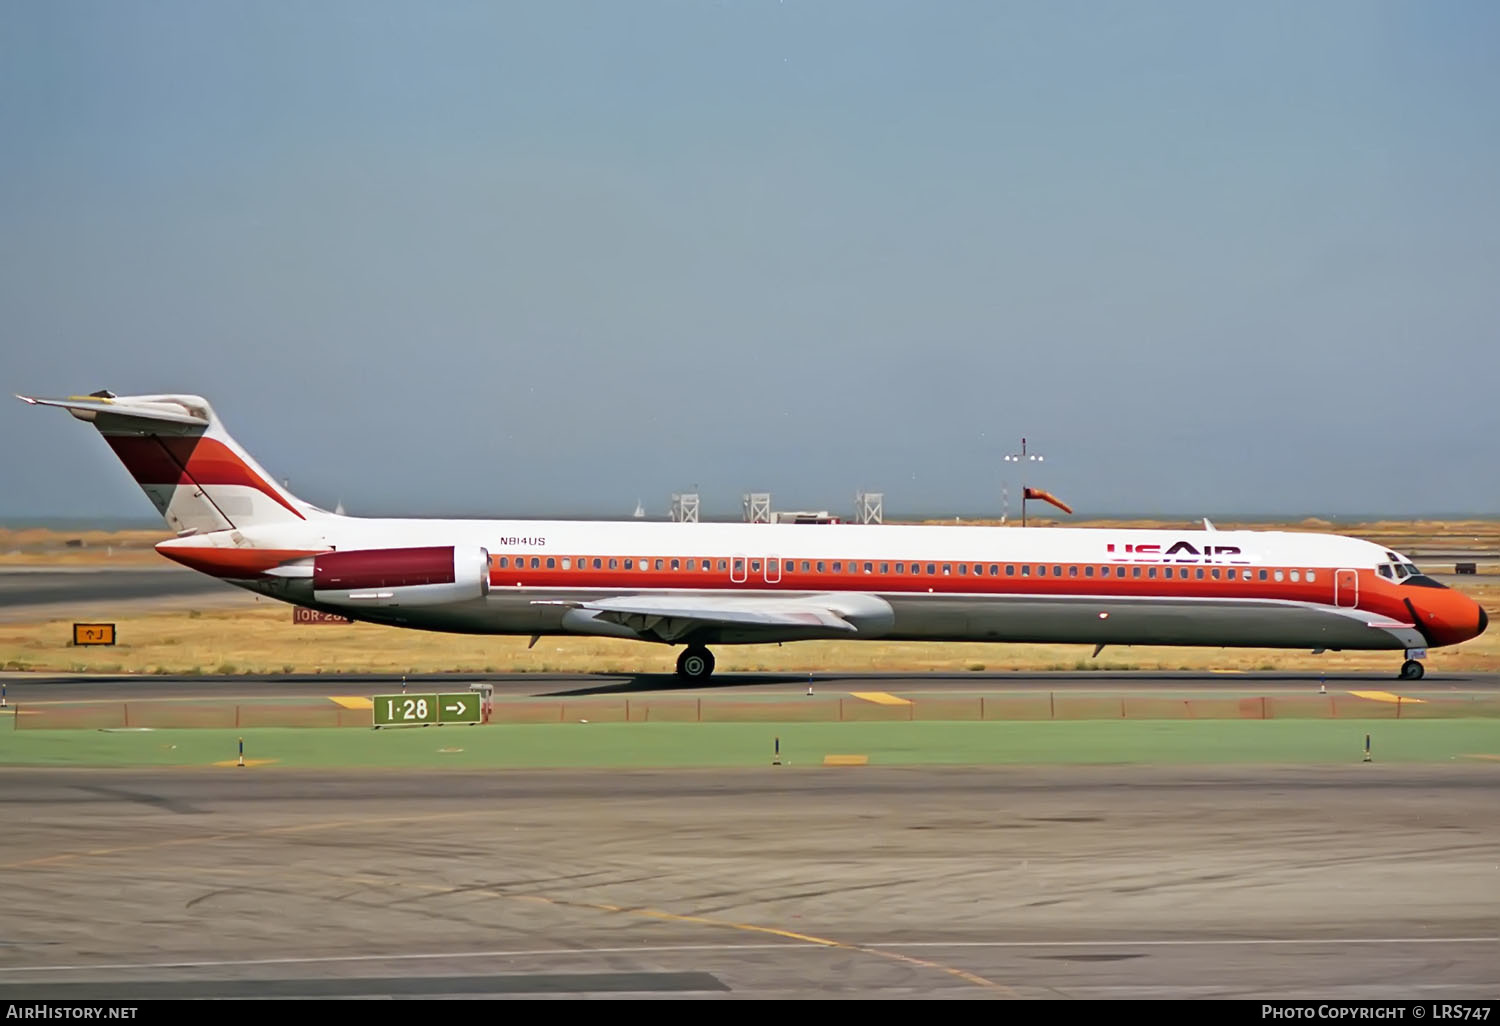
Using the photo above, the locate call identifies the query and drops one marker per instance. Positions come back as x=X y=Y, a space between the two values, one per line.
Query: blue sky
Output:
x=521 y=258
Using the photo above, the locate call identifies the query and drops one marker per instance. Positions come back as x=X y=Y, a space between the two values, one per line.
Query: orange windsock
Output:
x=1037 y=493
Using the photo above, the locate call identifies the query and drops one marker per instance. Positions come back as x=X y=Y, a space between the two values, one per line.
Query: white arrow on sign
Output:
x=453 y=708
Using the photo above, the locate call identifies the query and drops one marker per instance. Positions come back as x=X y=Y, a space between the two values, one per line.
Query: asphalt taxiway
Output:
x=45 y=586
x=1359 y=881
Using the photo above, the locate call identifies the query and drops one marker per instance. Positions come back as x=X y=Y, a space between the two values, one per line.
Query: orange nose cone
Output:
x=1452 y=618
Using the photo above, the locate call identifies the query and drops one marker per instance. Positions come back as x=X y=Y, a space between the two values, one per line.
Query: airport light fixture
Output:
x=1024 y=457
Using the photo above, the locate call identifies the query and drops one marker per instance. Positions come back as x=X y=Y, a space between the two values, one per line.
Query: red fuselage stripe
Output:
x=1053 y=579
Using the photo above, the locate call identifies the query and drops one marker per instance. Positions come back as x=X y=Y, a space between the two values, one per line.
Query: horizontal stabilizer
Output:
x=144 y=407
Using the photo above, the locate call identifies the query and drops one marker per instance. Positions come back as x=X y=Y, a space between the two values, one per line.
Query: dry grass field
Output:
x=38 y=546
x=250 y=635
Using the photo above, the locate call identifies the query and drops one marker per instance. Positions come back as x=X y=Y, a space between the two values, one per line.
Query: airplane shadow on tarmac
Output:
x=621 y=684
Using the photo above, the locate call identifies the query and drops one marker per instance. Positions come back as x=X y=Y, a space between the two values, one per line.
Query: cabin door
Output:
x=1346 y=588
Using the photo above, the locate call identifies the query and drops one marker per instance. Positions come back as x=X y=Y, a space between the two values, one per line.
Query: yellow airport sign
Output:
x=93 y=634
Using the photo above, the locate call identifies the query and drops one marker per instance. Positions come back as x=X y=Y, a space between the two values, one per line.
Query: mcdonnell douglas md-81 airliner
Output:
x=697 y=585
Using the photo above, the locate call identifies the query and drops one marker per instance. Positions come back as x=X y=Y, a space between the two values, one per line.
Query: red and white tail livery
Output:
x=696 y=585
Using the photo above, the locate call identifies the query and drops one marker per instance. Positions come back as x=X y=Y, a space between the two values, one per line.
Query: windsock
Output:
x=1037 y=493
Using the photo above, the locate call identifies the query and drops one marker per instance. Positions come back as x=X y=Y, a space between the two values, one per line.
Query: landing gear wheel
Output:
x=695 y=663
x=1411 y=670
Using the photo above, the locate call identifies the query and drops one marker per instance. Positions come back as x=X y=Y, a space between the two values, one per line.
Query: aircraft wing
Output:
x=675 y=616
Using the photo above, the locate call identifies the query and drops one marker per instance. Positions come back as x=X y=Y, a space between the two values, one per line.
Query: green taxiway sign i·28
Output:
x=413 y=710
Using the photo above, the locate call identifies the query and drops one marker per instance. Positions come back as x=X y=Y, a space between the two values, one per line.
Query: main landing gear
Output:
x=1411 y=670
x=696 y=663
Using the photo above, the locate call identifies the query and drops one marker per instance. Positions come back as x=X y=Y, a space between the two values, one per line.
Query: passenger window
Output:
x=755 y=566
x=963 y=569
x=1263 y=575
x=1072 y=571
x=723 y=564
x=1215 y=572
x=567 y=564
x=820 y=566
x=1057 y=571
x=1230 y=574
x=1088 y=571
x=838 y=566
x=739 y=566
x=1311 y=577
x=1119 y=571
x=659 y=564
x=1041 y=571
x=900 y=568
x=1010 y=569
x=994 y=569
x=504 y=562
x=1199 y=575
x=1278 y=574
x=535 y=562
x=551 y=562
x=947 y=568
x=1296 y=576
x=885 y=568
x=869 y=568
x=805 y=566
x=932 y=568
x=1135 y=571
x=675 y=565
x=1025 y=569
x=613 y=564
x=916 y=568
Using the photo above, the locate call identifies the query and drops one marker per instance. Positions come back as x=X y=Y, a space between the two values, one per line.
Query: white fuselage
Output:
x=1094 y=586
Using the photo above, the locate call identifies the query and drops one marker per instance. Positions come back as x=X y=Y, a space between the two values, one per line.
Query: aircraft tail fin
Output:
x=196 y=475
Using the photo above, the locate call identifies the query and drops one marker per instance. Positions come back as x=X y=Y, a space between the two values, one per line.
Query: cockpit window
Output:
x=1423 y=581
x=1384 y=570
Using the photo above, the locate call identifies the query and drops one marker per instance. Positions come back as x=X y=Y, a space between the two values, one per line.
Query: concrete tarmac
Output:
x=1359 y=881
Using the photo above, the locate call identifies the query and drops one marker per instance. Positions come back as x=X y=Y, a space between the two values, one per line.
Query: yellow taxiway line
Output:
x=880 y=698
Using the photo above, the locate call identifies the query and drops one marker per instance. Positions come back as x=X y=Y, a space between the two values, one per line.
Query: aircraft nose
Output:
x=1449 y=618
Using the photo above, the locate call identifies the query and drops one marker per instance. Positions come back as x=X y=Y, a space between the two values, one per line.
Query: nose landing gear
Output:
x=696 y=663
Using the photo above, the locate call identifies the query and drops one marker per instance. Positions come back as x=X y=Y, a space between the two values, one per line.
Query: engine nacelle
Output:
x=429 y=576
